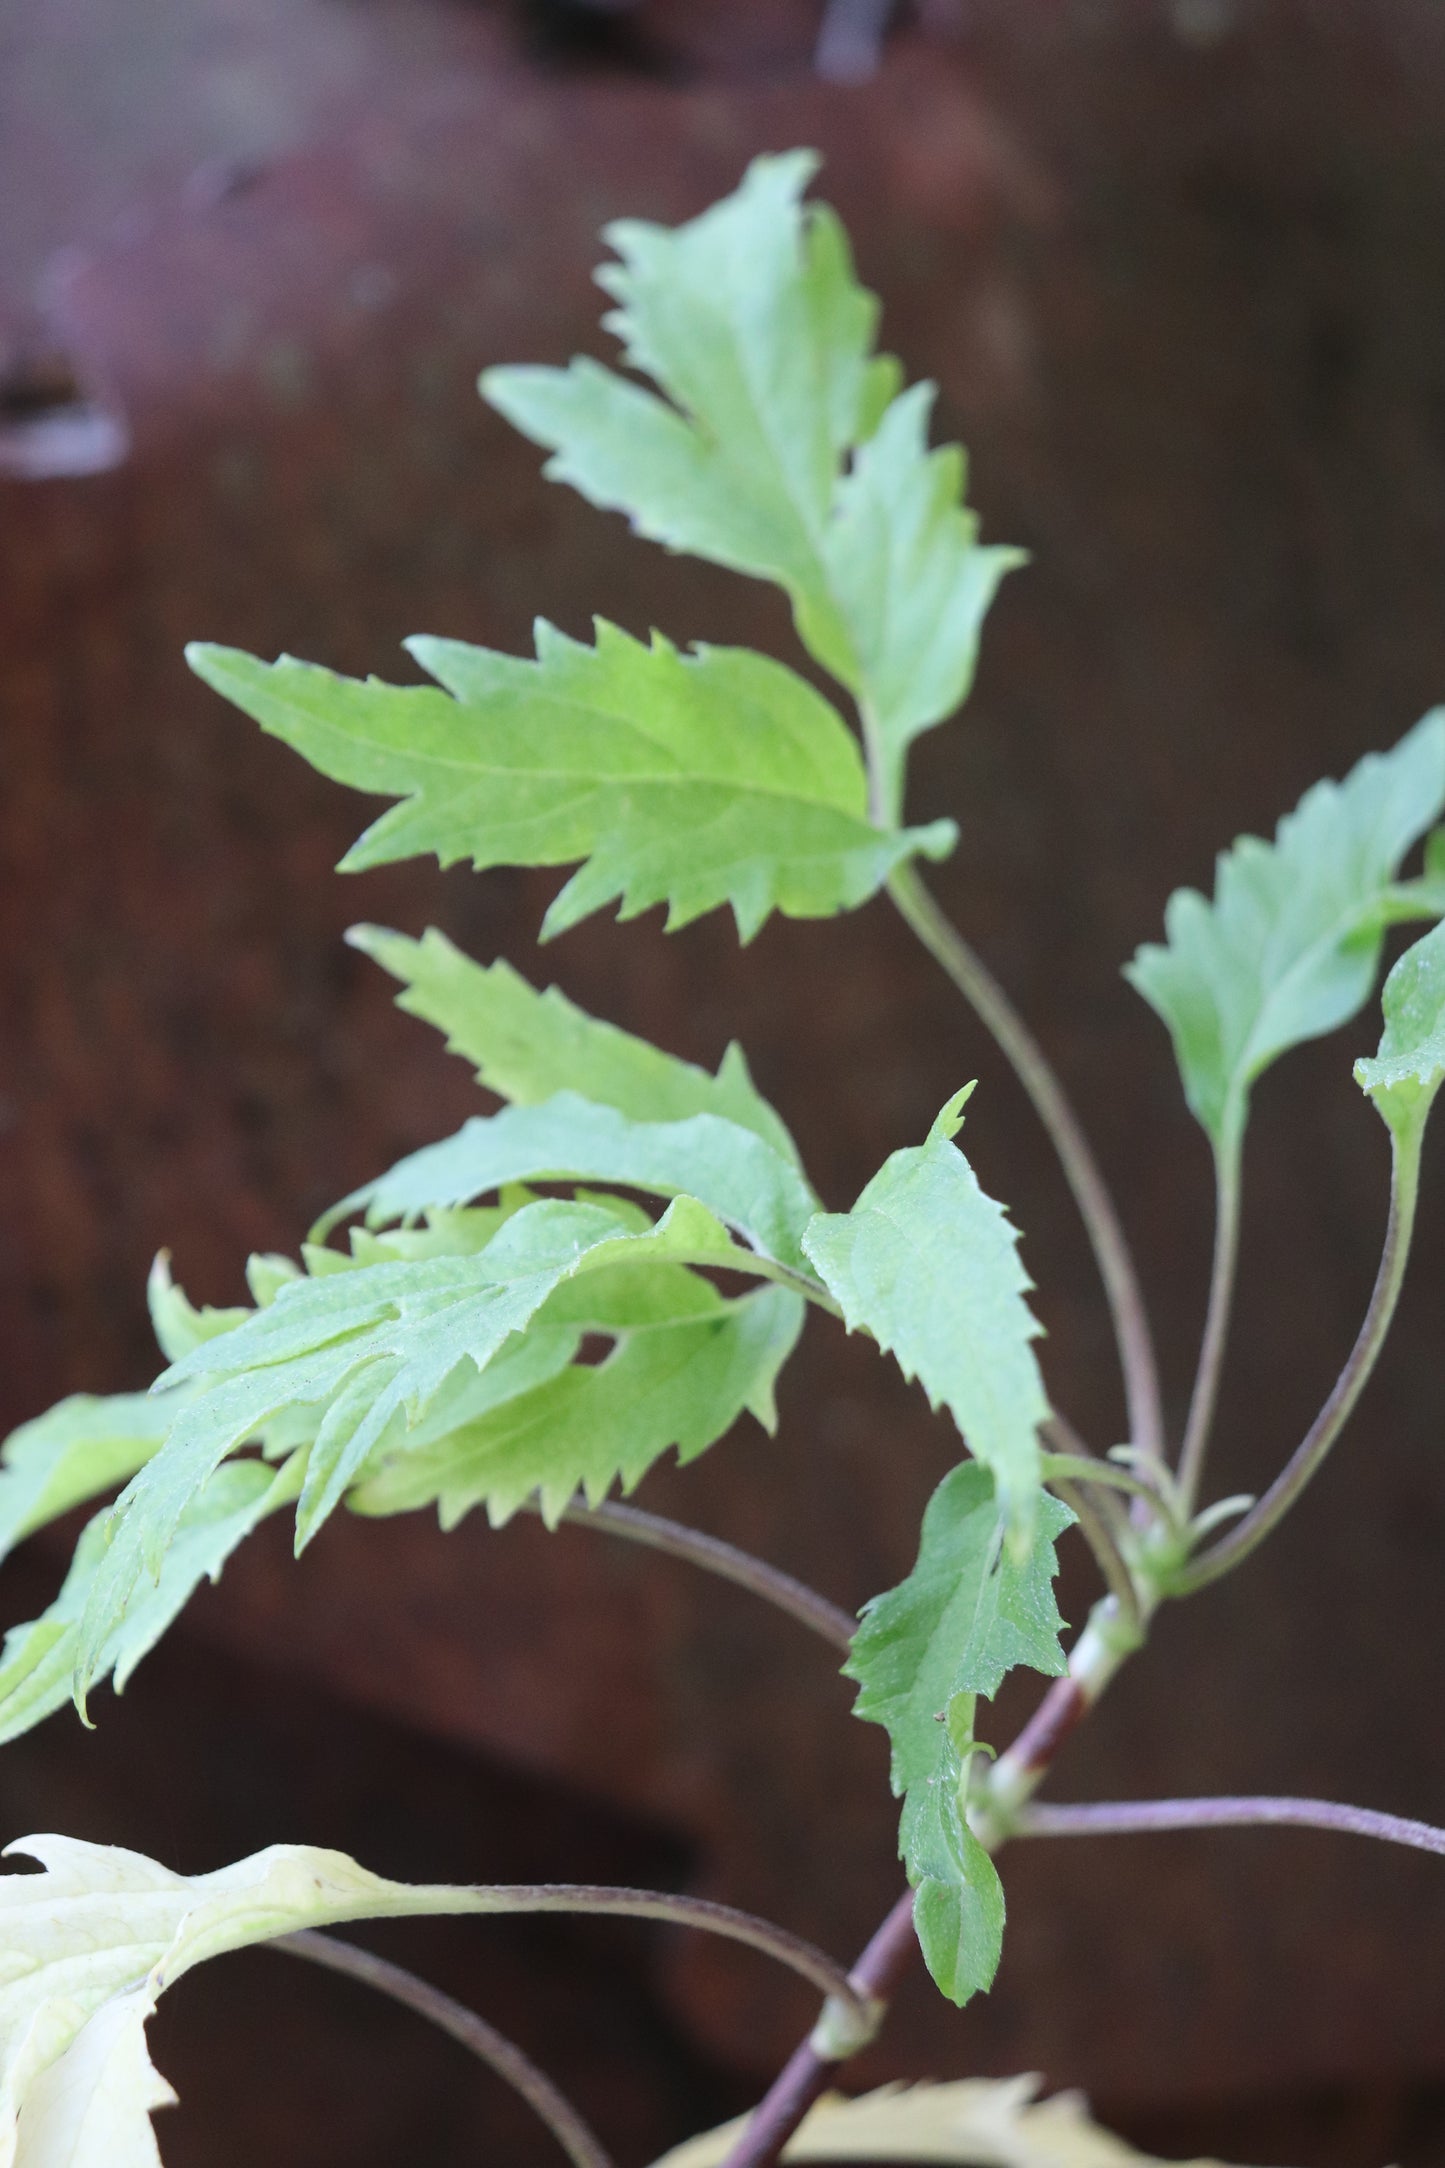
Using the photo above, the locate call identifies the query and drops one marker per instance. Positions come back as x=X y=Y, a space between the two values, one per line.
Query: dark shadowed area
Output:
x=1179 y=270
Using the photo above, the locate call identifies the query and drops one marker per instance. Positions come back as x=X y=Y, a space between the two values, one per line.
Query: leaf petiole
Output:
x=551 y=2106
x=780 y=1589
x=1310 y=1453
x=1227 y=1184
x=1107 y=1818
x=1084 y=1468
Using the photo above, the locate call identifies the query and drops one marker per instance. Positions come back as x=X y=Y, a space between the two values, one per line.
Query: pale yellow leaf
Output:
x=92 y=2108
x=971 y=2123
x=88 y=1946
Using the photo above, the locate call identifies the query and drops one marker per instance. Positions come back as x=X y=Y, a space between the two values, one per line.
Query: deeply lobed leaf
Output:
x=526 y=1045
x=678 y=1377
x=1289 y=948
x=690 y=780
x=781 y=446
x=360 y=1353
x=929 y=1265
x=727 y=1168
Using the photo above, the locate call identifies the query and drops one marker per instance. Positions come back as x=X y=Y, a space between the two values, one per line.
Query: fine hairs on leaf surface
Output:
x=449 y=1355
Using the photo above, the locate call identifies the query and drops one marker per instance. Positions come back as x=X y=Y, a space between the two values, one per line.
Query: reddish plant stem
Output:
x=807 y=2072
x=1063 y=1707
x=1128 y=1817
x=1095 y=1656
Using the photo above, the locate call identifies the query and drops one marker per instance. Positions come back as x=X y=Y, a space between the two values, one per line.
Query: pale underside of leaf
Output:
x=78 y=1450
x=526 y=1045
x=359 y=1350
x=692 y=781
x=568 y=1138
x=676 y=1383
x=38 y=1661
x=971 y=2123
x=1289 y=947
x=91 y=1943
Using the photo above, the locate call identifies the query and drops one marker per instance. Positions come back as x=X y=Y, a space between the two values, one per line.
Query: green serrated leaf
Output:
x=79 y=1449
x=1289 y=948
x=912 y=582
x=678 y=1380
x=527 y=1045
x=969 y=1612
x=1405 y=1075
x=751 y=322
x=690 y=780
x=729 y=1169
x=38 y=1659
x=958 y=1911
x=355 y=1351
x=929 y=1265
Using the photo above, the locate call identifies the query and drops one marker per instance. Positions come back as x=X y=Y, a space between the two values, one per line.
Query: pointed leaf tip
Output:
x=950 y=1116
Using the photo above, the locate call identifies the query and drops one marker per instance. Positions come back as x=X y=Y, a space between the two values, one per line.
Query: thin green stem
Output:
x=780 y=1589
x=500 y=2055
x=1102 y=1541
x=1310 y=1453
x=768 y=1268
x=1084 y=1468
x=1127 y=1817
x=1203 y=1400
x=1091 y=1194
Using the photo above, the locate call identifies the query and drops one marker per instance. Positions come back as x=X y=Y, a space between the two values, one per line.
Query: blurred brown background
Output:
x=1180 y=272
